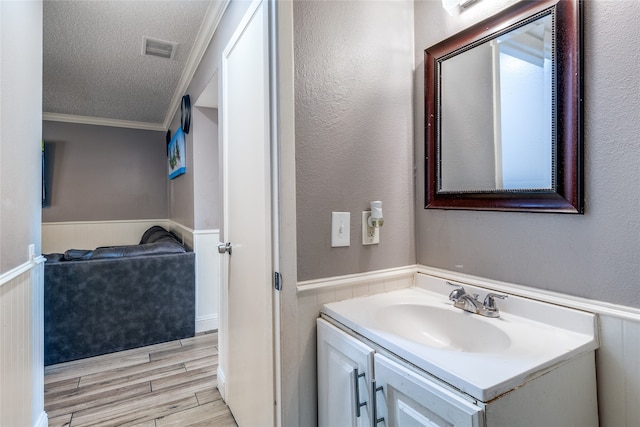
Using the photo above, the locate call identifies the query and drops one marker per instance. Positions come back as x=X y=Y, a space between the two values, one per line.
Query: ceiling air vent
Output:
x=161 y=48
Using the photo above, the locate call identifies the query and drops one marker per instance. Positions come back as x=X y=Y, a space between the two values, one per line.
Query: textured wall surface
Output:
x=21 y=297
x=354 y=131
x=207 y=181
x=105 y=173
x=594 y=255
x=184 y=207
x=20 y=131
x=103 y=40
x=180 y=189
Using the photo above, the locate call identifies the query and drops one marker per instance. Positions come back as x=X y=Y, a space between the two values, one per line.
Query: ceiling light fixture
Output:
x=451 y=5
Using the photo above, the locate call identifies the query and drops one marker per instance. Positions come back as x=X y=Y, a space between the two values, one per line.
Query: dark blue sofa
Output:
x=117 y=298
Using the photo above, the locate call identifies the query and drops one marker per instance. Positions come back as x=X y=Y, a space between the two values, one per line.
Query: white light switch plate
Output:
x=340 y=229
x=366 y=238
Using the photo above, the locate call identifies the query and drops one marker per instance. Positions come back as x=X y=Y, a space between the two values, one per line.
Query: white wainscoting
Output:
x=57 y=237
x=618 y=365
x=617 y=359
x=22 y=346
x=60 y=236
x=205 y=245
x=312 y=294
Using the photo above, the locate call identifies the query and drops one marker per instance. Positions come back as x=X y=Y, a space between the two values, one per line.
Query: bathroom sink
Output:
x=442 y=328
x=481 y=356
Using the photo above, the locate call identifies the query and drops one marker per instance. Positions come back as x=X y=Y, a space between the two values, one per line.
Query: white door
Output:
x=344 y=374
x=248 y=328
x=405 y=399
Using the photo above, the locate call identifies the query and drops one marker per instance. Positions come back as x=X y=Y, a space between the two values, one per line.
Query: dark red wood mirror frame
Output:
x=568 y=195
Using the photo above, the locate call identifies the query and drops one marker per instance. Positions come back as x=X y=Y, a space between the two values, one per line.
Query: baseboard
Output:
x=207 y=323
x=42 y=421
x=221 y=383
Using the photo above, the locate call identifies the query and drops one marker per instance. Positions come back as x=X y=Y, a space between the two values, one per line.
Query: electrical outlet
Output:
x=340 y=229
x=370 y=235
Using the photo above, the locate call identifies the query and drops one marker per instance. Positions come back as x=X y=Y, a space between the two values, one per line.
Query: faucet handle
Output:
x=457 y=293
x=490 y=303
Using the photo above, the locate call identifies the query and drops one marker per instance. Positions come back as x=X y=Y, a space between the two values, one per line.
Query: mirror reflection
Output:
x=495 y=125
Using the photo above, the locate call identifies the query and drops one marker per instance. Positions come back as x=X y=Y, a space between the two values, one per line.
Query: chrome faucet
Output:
x=464 y=301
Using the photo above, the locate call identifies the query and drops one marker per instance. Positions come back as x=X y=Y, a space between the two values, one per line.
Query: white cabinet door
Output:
x=405 y=399
x=344 y=374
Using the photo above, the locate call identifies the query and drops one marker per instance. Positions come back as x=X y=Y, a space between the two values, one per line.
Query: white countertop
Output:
x=540 y=336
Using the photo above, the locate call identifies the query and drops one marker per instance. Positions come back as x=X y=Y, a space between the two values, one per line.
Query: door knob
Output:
x=224 y=247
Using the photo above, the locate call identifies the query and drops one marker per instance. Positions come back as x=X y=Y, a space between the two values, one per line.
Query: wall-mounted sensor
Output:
x=376 y=220
x=371 y=222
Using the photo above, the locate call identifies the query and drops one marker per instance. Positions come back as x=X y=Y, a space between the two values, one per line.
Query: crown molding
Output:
x=98 y=121
x=207 y=29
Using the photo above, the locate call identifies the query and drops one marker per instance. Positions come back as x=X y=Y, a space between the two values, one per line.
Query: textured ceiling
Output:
x=93 y=67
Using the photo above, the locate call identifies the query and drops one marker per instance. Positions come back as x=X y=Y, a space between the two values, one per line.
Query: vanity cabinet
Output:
x=360 y=381
x=344 y=375
x=404 y=398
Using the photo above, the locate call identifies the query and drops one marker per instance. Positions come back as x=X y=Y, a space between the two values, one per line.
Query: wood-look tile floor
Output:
x=168 y=384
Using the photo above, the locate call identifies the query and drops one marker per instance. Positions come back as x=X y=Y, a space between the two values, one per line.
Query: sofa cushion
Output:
x=156 y=248
x=157 y=234
x=54 y=257
x=155 y=241
x=77 y=254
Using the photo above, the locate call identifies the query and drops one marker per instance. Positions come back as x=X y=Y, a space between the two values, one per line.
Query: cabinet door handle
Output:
x=374 y=403
x=356 y=387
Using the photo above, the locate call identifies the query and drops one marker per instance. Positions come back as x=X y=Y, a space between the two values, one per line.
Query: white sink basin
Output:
x=442 y=328
x=483 y=357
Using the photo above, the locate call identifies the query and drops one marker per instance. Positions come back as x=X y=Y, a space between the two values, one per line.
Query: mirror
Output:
x=503 y=107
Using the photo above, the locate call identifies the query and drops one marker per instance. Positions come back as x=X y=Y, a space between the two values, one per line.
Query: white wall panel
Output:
x=60 y=236
x=618 y=367
x=312 y=294
x=205 y=245
x=15 y=356
x=21 y=347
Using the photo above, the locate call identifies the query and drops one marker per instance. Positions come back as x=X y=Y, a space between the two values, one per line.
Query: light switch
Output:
x=340 y=229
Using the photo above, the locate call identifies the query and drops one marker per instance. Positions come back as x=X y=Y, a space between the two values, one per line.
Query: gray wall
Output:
x=594 y=256
x=180 y=189
x=195 y=199
x=20 y=131
x=207 y=185
x=105 y=173
x=354 y=131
